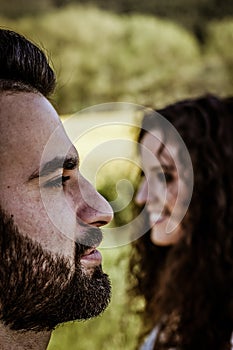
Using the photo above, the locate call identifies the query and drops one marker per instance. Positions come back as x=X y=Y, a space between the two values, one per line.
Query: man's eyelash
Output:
x=58 y=182
x=70 y=164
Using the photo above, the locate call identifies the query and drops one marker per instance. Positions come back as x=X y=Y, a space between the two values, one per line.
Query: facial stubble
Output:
x=38 y=290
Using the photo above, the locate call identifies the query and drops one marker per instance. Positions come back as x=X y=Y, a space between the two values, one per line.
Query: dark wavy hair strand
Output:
x=189 y=285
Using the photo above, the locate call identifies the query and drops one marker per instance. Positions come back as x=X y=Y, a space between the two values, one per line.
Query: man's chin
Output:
x=81 y=299
x=88 y=271
x=92 y=299
x=45 y=296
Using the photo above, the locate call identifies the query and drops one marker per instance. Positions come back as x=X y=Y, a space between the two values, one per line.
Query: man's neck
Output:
x=15 y=340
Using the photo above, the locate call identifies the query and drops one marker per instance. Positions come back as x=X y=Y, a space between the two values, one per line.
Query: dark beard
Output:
x=37 y=290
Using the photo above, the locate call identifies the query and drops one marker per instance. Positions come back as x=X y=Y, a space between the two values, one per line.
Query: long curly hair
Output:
x=188 y=287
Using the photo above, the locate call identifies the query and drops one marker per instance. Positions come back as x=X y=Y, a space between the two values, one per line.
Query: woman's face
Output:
x=159 y=188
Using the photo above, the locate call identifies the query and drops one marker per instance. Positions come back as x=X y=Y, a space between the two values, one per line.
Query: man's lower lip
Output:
x=94 y=258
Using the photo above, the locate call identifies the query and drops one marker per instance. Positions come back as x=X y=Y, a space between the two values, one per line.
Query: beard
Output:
x=38 y=290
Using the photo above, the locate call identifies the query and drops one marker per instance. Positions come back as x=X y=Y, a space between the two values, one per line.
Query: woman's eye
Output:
x=169 y=177
x=58 y=182
x=165 y=176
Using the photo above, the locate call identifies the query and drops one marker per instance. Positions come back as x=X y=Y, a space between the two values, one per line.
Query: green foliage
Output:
x=17 y=8
x=220 y=46
x=193 y=14
x=101 y=57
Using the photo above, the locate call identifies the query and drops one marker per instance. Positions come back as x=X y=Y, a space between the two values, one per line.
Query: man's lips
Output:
x=91 y=258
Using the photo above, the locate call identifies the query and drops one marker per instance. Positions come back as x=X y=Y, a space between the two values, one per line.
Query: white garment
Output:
x=150 y=340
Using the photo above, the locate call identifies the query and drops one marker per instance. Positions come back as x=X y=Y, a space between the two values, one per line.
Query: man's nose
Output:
x=94 y=209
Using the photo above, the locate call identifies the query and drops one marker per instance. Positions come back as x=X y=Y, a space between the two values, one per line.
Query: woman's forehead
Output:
x=159 y=152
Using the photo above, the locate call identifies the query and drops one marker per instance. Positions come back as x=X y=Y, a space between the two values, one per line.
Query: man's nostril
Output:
x=99 y=223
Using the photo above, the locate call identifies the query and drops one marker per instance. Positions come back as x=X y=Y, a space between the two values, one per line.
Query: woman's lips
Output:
x=157 y=218
x=91 y=258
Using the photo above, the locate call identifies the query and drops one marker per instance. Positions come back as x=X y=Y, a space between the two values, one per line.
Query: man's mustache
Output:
x=90 y=238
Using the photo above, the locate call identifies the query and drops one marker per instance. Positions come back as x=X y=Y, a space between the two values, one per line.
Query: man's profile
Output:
x=46 y=278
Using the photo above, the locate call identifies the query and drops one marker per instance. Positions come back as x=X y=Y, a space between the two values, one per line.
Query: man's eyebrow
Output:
x=68 y=163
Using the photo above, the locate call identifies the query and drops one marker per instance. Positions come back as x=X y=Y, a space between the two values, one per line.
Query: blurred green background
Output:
x=145 y=52
x=100 y=56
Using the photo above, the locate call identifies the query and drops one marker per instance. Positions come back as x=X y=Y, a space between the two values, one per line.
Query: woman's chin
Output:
x=160 y=237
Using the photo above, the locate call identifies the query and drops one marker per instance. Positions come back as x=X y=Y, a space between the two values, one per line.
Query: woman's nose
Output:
x=151 y=192
x=142 y=193
x=93 y=209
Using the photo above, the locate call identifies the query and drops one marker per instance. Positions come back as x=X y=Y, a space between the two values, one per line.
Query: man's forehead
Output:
x=26 y=114
x=19 y=101
x=28 y=124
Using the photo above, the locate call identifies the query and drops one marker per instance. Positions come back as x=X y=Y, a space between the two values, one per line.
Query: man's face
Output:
x=49 y=230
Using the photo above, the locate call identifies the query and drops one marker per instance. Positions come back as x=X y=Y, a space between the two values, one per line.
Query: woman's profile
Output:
x=186 y=277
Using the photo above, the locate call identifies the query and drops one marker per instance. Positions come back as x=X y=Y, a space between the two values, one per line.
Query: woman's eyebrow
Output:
x=164 y=167
x=168 y=167
x=68 y=163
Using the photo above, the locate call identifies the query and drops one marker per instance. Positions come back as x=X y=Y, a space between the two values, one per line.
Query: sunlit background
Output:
x=150 y=53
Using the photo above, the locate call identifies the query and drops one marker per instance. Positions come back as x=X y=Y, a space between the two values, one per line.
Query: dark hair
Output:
x=23 y=65
x=187 y=287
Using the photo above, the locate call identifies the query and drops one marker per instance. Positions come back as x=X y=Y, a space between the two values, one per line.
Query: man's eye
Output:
x=58 y=182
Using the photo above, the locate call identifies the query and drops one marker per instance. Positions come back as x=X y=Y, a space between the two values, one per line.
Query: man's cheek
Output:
x=61 y=214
